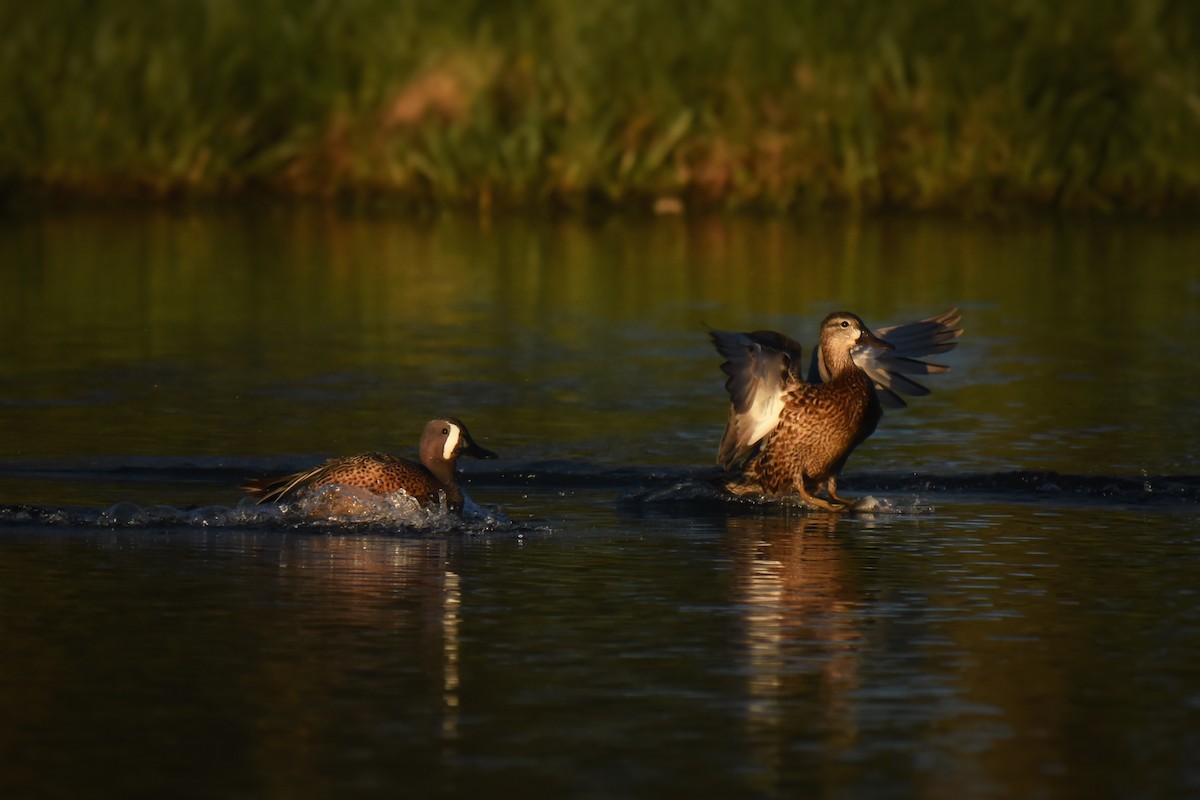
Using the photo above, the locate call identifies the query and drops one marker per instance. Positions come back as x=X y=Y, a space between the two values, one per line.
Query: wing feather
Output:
x=760 y=368
x=281 y=488
x=910 y=342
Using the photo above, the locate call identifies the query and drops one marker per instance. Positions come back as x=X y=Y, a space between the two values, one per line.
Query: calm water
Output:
x=1024 y=622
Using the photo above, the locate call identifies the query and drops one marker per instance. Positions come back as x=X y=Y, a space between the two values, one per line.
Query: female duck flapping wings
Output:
x=787 y=433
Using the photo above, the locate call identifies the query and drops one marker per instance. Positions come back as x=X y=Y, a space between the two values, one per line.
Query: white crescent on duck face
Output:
x=786 y=433
x=450 y=446
x=426 y=481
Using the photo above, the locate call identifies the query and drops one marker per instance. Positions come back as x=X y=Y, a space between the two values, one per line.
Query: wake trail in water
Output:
x=672 y=490
x=650 y=484
x=328 y=509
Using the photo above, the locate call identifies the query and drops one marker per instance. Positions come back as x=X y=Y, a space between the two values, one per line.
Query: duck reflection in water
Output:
x=789 y=434
x=802 y=633
x=430 y=484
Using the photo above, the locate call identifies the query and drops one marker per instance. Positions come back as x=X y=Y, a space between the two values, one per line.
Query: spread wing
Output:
x=762 y=367
x=910 y=342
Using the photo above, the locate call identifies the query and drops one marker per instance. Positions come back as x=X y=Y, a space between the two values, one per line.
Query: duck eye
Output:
x=845 y=323
x=445 y=431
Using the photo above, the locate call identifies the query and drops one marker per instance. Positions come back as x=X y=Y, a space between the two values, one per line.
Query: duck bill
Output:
x=868 y=339
x=476 y=451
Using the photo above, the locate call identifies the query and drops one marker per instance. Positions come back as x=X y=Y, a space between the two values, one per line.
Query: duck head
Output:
x=841 y=332
x=446 y=439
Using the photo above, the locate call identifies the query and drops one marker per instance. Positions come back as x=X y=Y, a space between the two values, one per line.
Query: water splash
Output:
x=702 y=493
x=330 y=509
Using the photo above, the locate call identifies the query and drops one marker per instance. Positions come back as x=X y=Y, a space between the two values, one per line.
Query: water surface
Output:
x=1023 y=621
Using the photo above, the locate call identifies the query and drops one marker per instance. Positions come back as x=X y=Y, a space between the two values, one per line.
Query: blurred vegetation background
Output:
x=778 y=105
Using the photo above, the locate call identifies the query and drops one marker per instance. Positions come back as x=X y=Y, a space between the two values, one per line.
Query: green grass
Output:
x=780 y=105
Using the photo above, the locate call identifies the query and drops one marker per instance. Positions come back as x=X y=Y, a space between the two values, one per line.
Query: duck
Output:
x=427 y=481
x=787 y=432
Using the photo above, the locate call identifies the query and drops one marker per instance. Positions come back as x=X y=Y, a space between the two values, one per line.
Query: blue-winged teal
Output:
x=442 y=442
x=786 y=433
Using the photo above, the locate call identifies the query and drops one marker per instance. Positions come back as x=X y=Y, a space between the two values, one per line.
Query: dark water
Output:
x=1022 y=619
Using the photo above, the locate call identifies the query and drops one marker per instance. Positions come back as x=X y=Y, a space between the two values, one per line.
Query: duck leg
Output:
x=831 y=490
x=812 y=500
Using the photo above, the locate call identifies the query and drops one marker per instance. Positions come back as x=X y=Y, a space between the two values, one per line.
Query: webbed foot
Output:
x=831 y=490
x=819 y=502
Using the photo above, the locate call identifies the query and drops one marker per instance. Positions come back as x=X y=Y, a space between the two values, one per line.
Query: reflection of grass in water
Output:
x=777 y=105
x=309 y=334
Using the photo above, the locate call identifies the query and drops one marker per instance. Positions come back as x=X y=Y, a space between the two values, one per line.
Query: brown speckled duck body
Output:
x=787 y=434
x=442 y=442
